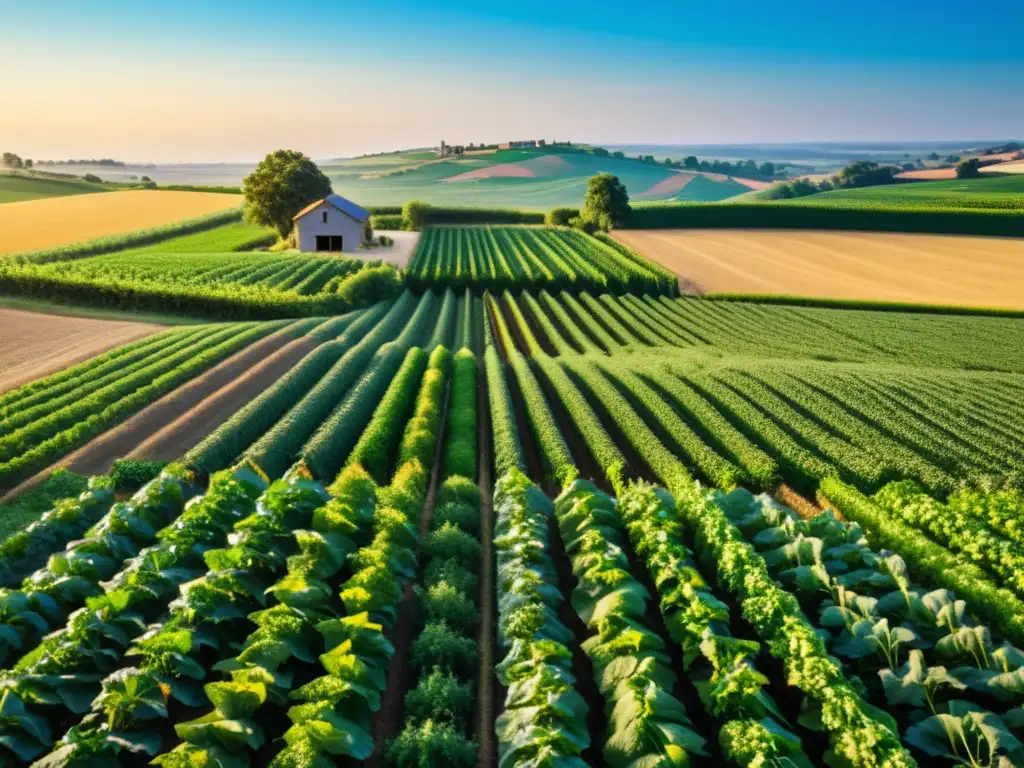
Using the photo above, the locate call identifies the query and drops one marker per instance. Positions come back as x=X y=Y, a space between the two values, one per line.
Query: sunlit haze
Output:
x=187 y=82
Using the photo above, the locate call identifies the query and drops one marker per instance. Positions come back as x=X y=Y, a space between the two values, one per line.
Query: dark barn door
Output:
x=336 y=243
x=323 y=243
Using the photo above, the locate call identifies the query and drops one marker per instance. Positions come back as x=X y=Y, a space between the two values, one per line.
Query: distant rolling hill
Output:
x=14 y=188
x=532 y=179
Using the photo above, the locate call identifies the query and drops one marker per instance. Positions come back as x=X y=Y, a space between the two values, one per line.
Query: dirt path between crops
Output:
x=805 y=508
x=33 y=344
x=932 y=269
x=244 y=368
x=489 y=693
x=193 y=426
x=387 y=721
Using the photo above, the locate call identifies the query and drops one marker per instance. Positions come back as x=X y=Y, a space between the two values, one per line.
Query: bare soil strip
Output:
x=488 y=705
x=33 y=345
x=806 y=509
x=930 y=269
x=668 y=186
x=98 y=455
x=499 y=171
x=189 y=429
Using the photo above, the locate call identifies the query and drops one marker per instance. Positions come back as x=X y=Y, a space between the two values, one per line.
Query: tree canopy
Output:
x=606 y=203
x=283 y=184
x=969 y=169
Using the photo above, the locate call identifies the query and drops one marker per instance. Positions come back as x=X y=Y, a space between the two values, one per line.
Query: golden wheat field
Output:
x=920 y=269
x=34 y=224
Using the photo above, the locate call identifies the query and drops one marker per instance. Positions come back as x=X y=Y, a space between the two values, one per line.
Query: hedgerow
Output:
x=879 y=218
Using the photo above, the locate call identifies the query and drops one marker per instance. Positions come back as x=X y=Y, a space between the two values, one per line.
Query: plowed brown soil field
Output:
x=921 y=269
x=34 y=344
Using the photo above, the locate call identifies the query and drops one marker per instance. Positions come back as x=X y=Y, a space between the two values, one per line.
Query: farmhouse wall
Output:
x=338 y=223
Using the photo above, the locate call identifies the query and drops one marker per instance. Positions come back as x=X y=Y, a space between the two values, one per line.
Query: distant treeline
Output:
x=747 y=169
x=104 y=161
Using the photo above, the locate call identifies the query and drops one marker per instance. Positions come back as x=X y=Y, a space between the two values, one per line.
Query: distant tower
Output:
x=442 y=147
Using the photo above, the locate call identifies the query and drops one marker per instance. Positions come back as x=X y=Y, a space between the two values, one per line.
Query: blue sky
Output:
x=228 y=80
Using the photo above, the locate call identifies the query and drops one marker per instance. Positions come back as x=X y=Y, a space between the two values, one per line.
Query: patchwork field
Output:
x=525 y=506
x=33 y=344
x=35 y=224
x=527 y=179
x=927 y=269
x=1013 y=166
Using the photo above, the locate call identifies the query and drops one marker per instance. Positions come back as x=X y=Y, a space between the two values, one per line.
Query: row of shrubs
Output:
x=415 y=215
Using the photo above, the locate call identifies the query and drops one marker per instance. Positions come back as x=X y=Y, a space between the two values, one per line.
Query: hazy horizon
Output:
x=198 y=83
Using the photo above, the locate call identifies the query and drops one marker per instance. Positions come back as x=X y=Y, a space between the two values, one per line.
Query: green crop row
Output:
x=284 y=440
x=226 y=443
x=557 y=458
x=439 y=708
x=460 y=447
x=34 y=446
x=508 y=451
x=600 y=444
x=172 y=350
x=58 y=383
x=426 y=425
x=501 y=258
x=378 y=441
x=198 y=286
x=858 y=734
x=543 y=712
x=629 y=659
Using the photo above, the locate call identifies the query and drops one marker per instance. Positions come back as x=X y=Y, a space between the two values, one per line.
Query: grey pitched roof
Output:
x=342 y=204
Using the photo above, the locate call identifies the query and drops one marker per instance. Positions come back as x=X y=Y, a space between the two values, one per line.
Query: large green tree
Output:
x=283 y=184
x=969 y=169
x=606 y=204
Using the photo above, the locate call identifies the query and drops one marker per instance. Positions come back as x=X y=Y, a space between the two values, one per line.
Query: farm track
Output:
x=489 y=693
x=189 y=429
x=98 y=455
x=387 y=721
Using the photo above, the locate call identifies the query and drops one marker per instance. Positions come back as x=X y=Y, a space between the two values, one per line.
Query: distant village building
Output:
x=449 y=149
x=530 y=144
x=332 y=224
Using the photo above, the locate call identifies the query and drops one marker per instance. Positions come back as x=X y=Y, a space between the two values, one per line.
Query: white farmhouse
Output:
x=332 y=224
